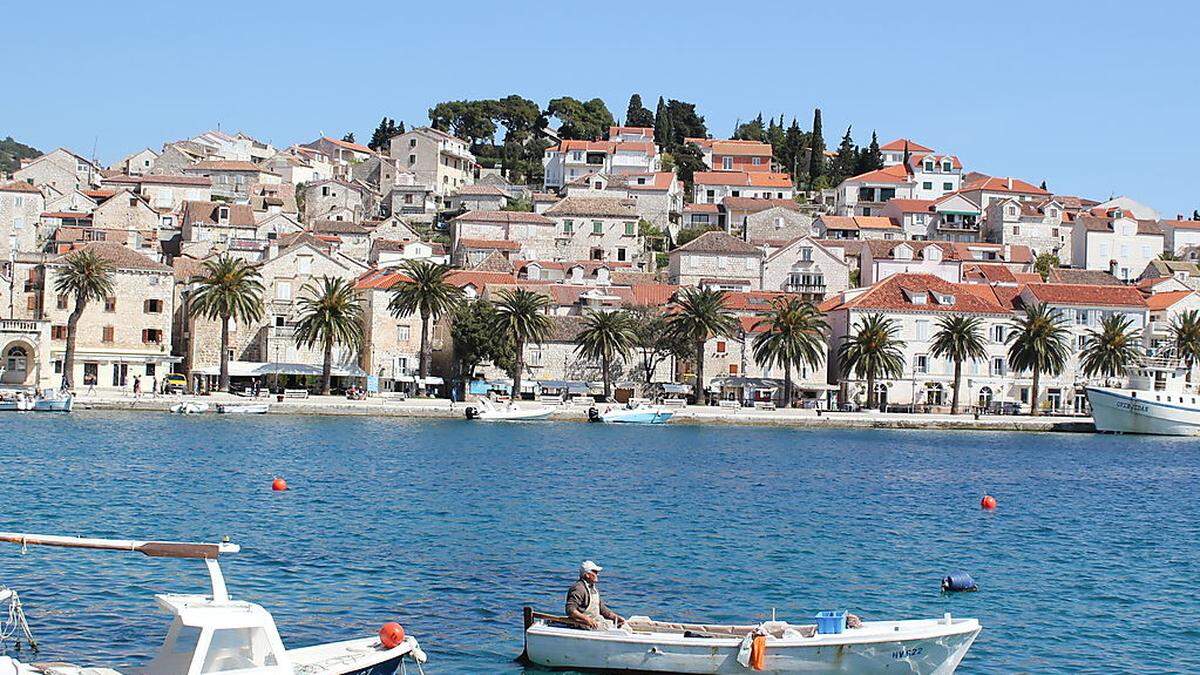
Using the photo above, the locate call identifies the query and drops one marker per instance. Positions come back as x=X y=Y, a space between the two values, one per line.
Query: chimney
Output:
x=1007 y=252
x=1008 y=181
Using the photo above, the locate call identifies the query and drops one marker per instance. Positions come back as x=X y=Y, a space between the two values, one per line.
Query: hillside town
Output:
x=637 y=261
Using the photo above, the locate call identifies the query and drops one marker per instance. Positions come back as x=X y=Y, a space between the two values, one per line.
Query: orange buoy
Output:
x=391 y=634
x=279 y=484
x=988 y=502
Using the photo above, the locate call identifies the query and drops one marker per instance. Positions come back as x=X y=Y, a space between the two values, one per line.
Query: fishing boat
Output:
x=487 y=410
x=638 y=414
x=644 y=645
x=1156 y=400
x=213 y=633
x=189 y=408
x=243 y=408
x=47 y=402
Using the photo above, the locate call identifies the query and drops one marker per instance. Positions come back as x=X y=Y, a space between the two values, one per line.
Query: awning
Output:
x=257 y=369
x=755 y=383
x=430 y=380
x=672 y=388
x=565 y=385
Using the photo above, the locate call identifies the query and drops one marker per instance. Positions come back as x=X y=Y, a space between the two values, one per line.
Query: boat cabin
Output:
x=218 y=636
x=1160 y=374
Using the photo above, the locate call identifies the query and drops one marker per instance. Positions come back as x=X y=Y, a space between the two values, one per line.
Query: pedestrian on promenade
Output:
x=137 y=386
x=154 y=386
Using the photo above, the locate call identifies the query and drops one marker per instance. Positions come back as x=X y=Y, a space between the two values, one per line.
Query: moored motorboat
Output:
x=213 y=633
x=47 y=402
x=638 y=414
x=243 y=408
x=488 y=411
x=189 y=408
x=1157 y=400
x=643 y=645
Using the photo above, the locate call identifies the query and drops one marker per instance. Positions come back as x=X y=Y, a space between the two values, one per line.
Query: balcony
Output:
x=805 y=289
x=20 y=326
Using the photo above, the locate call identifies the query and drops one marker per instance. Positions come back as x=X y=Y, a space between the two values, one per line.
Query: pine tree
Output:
x=348 y=138
x=663 y=132
x=816 y=161
x=875 y=155
x=1044 y=186
x=383 y=134
x=846 y=161
x=637 y=115
x=792 y=158
x=775 y=137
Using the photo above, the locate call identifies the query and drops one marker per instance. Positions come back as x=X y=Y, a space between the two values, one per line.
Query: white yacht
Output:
x=1157 y=400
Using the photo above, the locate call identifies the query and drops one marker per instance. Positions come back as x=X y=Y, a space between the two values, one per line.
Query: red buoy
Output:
x=391 y=634
x=988 y=502
x=279 y=484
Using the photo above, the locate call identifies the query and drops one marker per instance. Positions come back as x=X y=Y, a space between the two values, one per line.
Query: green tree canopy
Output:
x=636 y=115
x=587 y=120
x=1038 y=342
x=330 y=314
x=959 y=338
x=1111 y=349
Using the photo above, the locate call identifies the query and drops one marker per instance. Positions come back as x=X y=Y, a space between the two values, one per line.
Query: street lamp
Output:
x=12 y=272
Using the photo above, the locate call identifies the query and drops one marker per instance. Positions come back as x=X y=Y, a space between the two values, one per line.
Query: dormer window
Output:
x=223 y=214
x=1012 y=210
x=947 y=166
x=929 y=166
x=917 y=297
x=903 y=253
x=943 y=298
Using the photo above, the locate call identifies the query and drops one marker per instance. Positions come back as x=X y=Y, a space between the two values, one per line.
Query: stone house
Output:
x=175 y=157
x=599 y=229
x=857 y=227
x=477 y=198
x=411 y=200
x=127 y=218
x=71 y=201
x=379 y=173
x=807 y=267
x=1037 y=225
x=766 y=220
x=272 y=226
x=21 y=207
x=343 y=155
x=732 y=373
x=164 y=192
x=1115 y=242
x=232 y=179
x=326 y=197
x=60 y=169
x=476 y=233
x=712 y=187
x=205 y=221
x=882 y=259
x=436 y=158
x=657 y=197
x=716 y=260
x=126 y=336
x=138 y=164
x=350 y=239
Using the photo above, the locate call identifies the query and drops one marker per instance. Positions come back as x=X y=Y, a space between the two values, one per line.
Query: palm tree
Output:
x=958 y=338
x=86 y=276
x=700 y=314
x=521 y=318
x=228 y=288
x=329 y=314
x=793 y=337
x=1185 y=334
x=1038 y=342
x=426 y=292
x=606 y=335
x=872 y=351
x=1111 y=349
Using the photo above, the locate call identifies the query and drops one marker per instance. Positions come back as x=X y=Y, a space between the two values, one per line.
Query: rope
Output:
x=14 y=627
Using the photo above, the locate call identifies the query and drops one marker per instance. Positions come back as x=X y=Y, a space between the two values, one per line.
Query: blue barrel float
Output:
x=958 y=582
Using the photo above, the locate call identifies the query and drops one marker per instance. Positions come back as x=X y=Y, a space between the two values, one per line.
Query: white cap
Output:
x=589 y=566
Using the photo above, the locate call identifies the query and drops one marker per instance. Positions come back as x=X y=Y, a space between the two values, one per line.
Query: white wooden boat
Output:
x=639 y=414
x=1155 y=401
x=23 y=403
x=488 y=411
x=643 y=645
x=213 y=633
x=189 y=408
x=243 y=408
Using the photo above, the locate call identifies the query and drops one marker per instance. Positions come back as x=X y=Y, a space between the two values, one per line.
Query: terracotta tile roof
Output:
x=497 y=244
x=593 y=206
x=18 y=186
x=1081 y=294
x=226 y=165
x=743 y=178
x=99 y=194
x=503 y=217
x=658 y=181
x=1160 y=301
x=1180 y=224
x=888 y=174
x=160 y=180
x=338 y=227
x=898 y=145
x=858 y=223
x=718 y=242
x=897 y=291
x=911 y=205
x=495 y=262
x=702 y=208
x=954 y=250
x=756 y=205
x=206 y=213
x=480 y=190
x=993 y=184
x=753 y=301
x=348 y=145
x=67 y=215
x=648 y=132
x=653 y=295
x=1105 y=224
x=916 y=160
x=120 y=256
x=741 y=148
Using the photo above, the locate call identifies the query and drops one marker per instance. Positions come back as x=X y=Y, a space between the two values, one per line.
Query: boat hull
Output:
x=39 y=405
x=637 y=417
x=243 y=408
x=506 y=415
x=931 y=647
x=1119 y=411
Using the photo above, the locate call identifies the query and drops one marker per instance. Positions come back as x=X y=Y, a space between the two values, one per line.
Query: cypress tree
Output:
x=846 y=161
x=1044 y=186
x=1195 y=214
x=636 y=115
x=874 y=155
x=662 y=125
x=816 y=162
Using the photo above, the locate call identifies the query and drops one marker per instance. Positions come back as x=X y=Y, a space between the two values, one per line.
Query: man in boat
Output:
x=583 y=600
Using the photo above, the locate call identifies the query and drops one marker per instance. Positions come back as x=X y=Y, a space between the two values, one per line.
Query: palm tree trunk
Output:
x=698 y=387
x=787 y=386
x=1033 y=402
x=870 y=390
x=327 y=368
x=957 y=382
x=72 y=327
x=426 y=353
x=604 y=363
x=223 y=385
x=518 y=366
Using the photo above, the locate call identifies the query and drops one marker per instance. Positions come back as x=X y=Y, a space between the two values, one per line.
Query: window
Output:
x=534 y=357
x=999 y=367
x=597 y=227
x=922 y=329
x=412 y=142
x=324 y=190
x=151 y=369
x=283 y=290
x=151 y=336
x=223 y=213
x=62 y=301
x=568 y=226
x=733 y=369
x=108 y=334
x=152 y=306
x=1081 y=317
x=998 y=334
x=921 y=363
x=110 y=304
x=927 y=185
x=928 y=165
x=720 y=346
x=403 y=333
x=304 y=264
x=1016 y=230
x=1081 y=342
x=58 y=332
x=238 y=649
x=727 y=163
x=757 y=161
x=631 y=229
x=948 y=186
x=621 y=255
x=412 y=159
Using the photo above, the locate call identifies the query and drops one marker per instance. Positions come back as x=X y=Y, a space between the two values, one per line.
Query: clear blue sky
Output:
x=1097 y=98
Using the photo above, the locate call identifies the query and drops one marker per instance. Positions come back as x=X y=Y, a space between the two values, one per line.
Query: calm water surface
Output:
x=450 y=527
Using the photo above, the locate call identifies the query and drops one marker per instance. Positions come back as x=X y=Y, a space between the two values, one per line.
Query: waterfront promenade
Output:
x=382 y=406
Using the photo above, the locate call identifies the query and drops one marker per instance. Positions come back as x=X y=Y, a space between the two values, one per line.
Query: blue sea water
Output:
x=1088 y=564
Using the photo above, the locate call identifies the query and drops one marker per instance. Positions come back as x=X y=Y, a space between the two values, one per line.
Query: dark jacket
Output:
x=577 y=599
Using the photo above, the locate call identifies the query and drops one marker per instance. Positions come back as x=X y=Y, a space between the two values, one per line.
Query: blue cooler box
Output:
x=831 y=622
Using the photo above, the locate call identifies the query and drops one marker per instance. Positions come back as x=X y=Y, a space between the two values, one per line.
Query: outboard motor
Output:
x=959 y=582
x=472 y=412
x=593 y=414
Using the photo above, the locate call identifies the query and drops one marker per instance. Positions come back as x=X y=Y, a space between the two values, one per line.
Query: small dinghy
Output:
x=934 y=646
x=243 y=408
x=214 y=634
x=189 y=408
x=639 y=414
x=488 y=411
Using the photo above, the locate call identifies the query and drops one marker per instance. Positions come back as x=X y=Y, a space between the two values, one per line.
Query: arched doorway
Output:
x=935 y=394
x=17 y=362
x=881 y=396
x=985 y=397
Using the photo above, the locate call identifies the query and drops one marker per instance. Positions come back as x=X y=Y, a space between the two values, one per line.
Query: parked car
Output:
x=175 y=383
